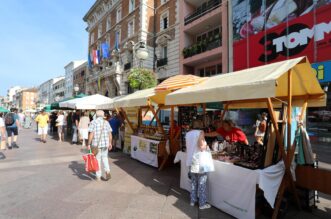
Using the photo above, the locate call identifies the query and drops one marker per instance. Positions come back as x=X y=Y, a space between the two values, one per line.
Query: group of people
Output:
x=196 y=143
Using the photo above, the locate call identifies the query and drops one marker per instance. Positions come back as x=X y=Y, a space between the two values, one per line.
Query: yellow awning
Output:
x=178 y=82
x=244 y=88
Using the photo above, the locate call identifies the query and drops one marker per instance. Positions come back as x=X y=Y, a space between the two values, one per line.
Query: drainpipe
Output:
x=154 y=36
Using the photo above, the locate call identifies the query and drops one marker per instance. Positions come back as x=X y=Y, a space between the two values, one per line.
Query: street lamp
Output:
x=76 y=89
x=141 y=52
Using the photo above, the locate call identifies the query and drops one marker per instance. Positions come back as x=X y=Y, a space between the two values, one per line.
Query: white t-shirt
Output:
x=60 y=120
x=2 y=124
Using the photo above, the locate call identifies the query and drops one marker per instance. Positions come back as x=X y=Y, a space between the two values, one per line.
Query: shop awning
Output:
x=136 y=99
x=88 y=102
x=3 y=110
x=245 y=88
x=178 y=82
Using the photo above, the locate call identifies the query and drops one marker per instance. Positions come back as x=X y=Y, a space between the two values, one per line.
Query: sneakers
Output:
x=108 y=176
x=192 y=204
x=98 y=179
x=15 y=145
x=206 y=206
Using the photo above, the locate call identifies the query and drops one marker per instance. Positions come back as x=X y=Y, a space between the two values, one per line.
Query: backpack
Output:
x=263 y=126
x=9 y=119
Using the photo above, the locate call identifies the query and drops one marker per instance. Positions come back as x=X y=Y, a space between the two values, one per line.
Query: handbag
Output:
x=95 y=149
x=202 y=162
x=91 y=162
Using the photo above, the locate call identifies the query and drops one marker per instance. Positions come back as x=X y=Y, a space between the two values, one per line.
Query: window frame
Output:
x=108 y=23
x=132 y=5
x=162 y=17
x=118 y=14
x=100 y=30
x=131 y=33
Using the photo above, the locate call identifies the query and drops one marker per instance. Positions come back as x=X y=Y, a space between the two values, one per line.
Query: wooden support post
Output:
x=204 y=114
x=226 y=108
x=147 y=110
x=289 y=111
x=127 y=119
x=157 y=118
x=303 y=109
x=157 y=112
x=274 y=123
x=172 y=127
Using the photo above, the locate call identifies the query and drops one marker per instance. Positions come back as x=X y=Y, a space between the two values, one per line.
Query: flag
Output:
x=116 y=41
x=96 y=57
x=89 y=60
x=105 y=50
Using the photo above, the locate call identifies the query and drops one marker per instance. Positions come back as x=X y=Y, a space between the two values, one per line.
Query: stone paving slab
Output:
x=49 y=181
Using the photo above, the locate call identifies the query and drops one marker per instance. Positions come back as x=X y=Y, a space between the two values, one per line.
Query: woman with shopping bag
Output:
x=200 y=162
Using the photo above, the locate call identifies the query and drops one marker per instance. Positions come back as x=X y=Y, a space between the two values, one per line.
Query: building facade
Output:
x=45 y=92
x=79 y=77
x=59 y=89
x=11 y=101
x=69 y=77
x=204 y=37
x=123 y=25
x=26 y=99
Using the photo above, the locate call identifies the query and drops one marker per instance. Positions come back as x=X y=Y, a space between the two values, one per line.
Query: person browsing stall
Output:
x=229 y=132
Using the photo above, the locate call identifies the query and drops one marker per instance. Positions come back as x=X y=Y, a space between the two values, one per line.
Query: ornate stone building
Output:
x=123 y=25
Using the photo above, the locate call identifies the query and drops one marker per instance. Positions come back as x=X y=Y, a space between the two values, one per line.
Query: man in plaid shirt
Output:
x=100 y=136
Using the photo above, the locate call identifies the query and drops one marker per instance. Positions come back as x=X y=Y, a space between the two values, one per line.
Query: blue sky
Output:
x=38 y=38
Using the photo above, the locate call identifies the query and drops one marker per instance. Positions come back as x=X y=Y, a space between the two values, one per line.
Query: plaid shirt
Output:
x=96 y=128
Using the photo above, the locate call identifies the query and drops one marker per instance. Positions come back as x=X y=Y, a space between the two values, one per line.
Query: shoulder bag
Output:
x=95 y=149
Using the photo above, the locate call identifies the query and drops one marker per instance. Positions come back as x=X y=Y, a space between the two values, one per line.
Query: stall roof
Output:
x=178 y=81
x=138 y=98
x=268 y=81
x=87 y=102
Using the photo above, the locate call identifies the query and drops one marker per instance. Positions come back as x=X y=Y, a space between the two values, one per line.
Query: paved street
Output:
x=48 y=181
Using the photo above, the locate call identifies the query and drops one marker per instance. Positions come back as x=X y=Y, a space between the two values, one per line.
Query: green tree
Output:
x=141 y=78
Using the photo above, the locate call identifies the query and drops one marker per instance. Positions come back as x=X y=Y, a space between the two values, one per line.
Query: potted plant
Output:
x=141 y=78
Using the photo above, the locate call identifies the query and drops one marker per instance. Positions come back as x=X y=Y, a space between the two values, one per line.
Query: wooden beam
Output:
x=303 y=109
x=157 y=111
x=226 y=107
x=275 y=124
x=204 y=114
x=127 y=119
x=157 y=118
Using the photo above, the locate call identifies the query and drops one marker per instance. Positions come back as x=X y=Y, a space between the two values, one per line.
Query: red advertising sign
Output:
x=307 y=35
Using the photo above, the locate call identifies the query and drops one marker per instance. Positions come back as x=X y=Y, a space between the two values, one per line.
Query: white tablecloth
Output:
x=145 y=150
x=232 y=188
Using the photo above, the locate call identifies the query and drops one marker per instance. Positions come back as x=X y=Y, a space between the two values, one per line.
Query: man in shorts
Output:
x=12 y=123
x=115 y=124
x=42 y=120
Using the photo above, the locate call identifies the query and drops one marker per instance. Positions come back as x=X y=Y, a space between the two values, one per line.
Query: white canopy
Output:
x=136 y=99
x=268 y=81
x=92 y=102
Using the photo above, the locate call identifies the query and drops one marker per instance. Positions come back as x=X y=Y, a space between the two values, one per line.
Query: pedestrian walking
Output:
x=60 y=125
x=12 y=123
x=75 y=123
x=195 y=143
x=83 y=128
x=21 y=117
x=100 y=139
x=115 y=124
x=42 y=120
x=2 y=133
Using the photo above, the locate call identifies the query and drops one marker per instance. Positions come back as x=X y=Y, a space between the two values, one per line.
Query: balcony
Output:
x=127 y=66
x=202 y=10
x=161 y=62
x=202 y=46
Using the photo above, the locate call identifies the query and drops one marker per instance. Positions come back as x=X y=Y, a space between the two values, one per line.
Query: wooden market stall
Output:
x=283 y=84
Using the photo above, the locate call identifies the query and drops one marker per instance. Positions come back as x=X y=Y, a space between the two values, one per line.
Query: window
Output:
x=130 y=28
x=92 y=38
x=131 y=5
x=117 y=38
x=164 y=52
x=108 y=26
x=164 y=20
x=99 y=30
x=118 y=15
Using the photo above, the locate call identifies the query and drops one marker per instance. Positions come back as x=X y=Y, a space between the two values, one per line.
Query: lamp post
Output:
x=141 y=52
x=76 y=89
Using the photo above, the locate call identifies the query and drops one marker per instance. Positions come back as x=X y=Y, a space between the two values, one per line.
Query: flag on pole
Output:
x=96 y=57
x=105 y=50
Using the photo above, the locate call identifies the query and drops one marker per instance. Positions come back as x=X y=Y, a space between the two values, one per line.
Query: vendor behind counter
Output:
x=229 y=132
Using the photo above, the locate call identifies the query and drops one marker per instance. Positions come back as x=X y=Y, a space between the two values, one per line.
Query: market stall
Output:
x=91 y=102
x=279 y=85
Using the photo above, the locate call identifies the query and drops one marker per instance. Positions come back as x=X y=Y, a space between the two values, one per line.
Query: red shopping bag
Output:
x=91 y=163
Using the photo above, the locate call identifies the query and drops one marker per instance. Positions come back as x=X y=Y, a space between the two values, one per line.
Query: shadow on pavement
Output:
x=78 y=170
x=2 y=156
x=165 y=182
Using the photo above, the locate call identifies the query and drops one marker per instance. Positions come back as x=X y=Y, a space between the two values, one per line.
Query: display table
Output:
x=145 y=150
x=232 y=188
